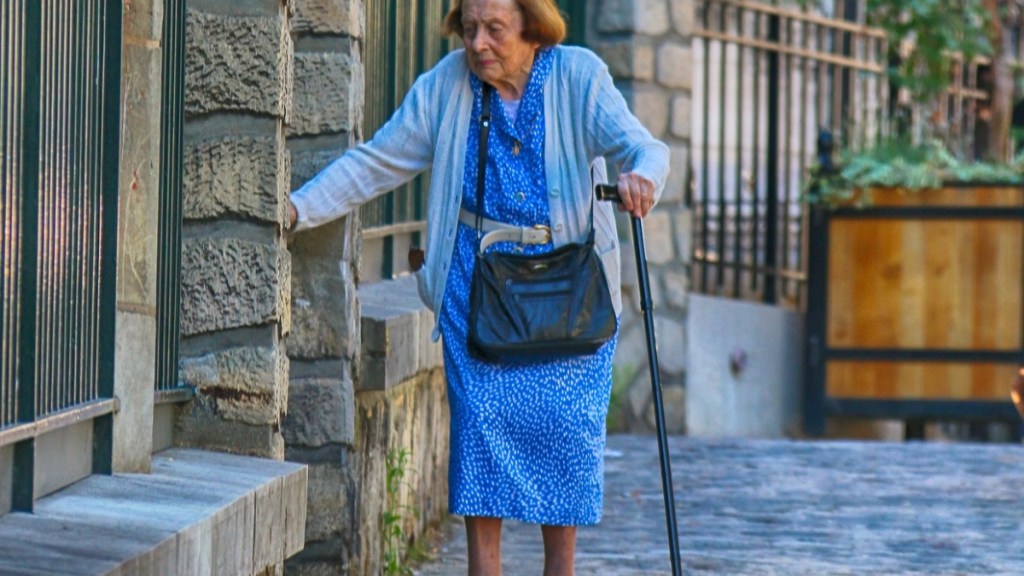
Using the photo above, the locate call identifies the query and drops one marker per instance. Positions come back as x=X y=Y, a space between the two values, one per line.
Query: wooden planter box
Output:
x=916 y=306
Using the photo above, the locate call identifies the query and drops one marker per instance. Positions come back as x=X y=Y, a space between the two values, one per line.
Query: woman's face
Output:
x=493 y=36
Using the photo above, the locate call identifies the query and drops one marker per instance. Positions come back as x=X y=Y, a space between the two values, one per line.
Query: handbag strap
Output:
x=481 y=159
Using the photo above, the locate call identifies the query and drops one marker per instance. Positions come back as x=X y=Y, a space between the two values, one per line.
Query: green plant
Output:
x=622 y=376
x=396 y=542
x=898 y=164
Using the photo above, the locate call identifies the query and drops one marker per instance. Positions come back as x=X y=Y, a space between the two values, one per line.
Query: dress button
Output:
x=520 y=196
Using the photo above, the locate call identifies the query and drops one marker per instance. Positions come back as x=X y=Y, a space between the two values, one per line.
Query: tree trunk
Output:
x=1000 y=105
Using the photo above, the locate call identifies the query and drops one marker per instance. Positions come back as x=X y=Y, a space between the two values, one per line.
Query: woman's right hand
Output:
x=293 y=215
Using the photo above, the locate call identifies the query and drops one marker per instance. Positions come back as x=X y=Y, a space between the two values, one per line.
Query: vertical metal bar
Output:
x=388 y=260
x=772 y=165
x=705 y=198
x=720 y=233
x=24 y=452
x=103 y=444
x=755 y=215
x=171 y=149
x=737 y=248
x=817 y=311
x=787 y=160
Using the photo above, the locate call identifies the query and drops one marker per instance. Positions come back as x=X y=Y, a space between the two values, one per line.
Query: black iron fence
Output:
x=770 y=79
x=172 y=123
x=403 y=40
x=60 y=107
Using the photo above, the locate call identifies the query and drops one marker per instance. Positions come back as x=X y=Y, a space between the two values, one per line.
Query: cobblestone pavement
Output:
x=793 y=508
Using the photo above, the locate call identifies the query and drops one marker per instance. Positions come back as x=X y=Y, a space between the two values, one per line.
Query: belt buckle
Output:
x=546 y=230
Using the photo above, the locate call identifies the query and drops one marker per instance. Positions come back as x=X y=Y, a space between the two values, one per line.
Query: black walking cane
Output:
x=609 y=192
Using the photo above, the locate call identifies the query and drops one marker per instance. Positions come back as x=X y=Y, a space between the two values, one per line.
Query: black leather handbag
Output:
x=535 y=307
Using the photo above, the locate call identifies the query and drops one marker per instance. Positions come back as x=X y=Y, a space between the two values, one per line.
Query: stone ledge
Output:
x=395 y=332
x=197 y=513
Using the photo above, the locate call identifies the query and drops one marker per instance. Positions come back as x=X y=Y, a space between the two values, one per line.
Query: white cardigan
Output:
x=586 y=118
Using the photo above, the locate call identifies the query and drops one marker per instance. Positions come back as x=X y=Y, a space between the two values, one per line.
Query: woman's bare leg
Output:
x=483 y=538
x=559 y=550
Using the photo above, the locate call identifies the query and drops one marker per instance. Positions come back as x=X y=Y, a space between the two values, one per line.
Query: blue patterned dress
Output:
x=527 y=440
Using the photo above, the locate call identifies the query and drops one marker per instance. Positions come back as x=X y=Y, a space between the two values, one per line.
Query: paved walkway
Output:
x=793 y=508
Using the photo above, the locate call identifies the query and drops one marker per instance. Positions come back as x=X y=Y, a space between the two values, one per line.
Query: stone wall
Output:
x=236 y=269
x=646 y=44
x=365 y=380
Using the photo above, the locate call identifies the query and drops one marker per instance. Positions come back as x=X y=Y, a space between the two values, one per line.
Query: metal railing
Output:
x=769 y=79
x=403 y=40
x=172 y=123
x=60 y=106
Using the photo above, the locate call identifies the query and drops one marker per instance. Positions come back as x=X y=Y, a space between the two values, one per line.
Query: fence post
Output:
x=772 y=160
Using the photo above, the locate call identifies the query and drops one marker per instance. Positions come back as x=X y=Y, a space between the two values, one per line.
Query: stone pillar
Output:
x=139 y=201
x=236 y=270
x=646 y=44
x=324 y=343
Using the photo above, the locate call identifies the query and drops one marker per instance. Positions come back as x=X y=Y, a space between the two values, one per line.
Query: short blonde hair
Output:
x=543 y=23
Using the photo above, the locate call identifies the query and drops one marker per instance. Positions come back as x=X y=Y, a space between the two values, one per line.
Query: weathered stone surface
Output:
x=201 y=427
x=677 y=287
x=236 y=177
x=331 y=502
x=328 y=92
x=245 y=384
x=632 y=58
x=650 y=106
x=658 y=237
x=671 y=344
x=412 y=417
x=143 y=20
x=321 y=411
x=139 y=178
x=324 y=309
x=684 y=235
x=651 y=17
x=236 y=63
x=675 y=184
x=682 y=16
x=308 y=163
x=673 y=402
x=229 y=283
x=675 y=66
x=648 y=17
x=682 y=116
x=329 y=17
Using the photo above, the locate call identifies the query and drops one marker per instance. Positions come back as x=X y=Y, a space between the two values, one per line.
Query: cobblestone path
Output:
x=793 y=508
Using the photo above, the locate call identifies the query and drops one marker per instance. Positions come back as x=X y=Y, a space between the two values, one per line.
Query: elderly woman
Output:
x=527 y=439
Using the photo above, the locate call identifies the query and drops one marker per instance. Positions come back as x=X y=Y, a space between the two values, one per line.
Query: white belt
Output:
x=495 y=231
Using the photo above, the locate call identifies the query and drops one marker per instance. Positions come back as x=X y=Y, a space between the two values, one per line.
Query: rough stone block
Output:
x=648 y=17
x=677 y=286
x=135 y=342
x=330 y=503
x=247 y=385
x=628 y=59
x=675 y=66
x=651 y=107
x=671 y=344
x=308 y=163
x=324 y=304
x=682 y=16
x=201 y=427
x=329 y=17
x=390 y=353
x=684 y=235
x=682 y=116
x=675 y=183
x=327 y=92
x=237 y=63
x=658 y=237
x=139 y=178
x=236 y=177
x=229 y=283
x=321 y=411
